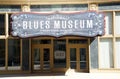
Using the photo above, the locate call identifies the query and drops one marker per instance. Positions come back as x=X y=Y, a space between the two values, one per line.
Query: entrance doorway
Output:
x=58 y=55
x=41 y=59
x=78 y=58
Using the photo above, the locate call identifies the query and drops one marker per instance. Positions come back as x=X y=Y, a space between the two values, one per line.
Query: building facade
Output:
x=49 y=54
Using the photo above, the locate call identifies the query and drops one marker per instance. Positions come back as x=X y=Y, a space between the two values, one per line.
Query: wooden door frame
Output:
x=78 y=46
x=41 y=47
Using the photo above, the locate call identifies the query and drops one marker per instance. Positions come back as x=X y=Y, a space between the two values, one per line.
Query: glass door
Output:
x=78 y=58
x=73 y=57
x=83 y=59
x=46 y=59
x=41 y=58
x=36 y=58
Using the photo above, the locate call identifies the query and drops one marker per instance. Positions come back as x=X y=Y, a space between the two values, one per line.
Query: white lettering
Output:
x=64 y=24
x=24 y=24
x=89 y=24
x=76 y=23
x=56 y=24
x=35 y=23
x=70 y=24
x=41 y=24
x=82 y=23
x=30 y=25
x=47 y=24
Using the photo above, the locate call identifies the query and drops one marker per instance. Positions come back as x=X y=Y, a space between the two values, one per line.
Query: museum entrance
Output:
x=78 y=57
x=59 y=55
x=41 y=55
x=41 y=58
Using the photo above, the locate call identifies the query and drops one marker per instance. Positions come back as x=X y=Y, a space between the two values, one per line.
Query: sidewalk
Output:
x=68 y=76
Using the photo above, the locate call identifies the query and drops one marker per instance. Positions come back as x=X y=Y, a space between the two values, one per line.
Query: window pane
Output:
x=13 y=54
x=78 y=41
x=40 y=8
x=2 y=24
x=25 y=54
x=82 y=53
x=2 y=54
x=73 y=58
x=42 y=41
x=117 y=52
x=10 y=20
x=59 y=53
x=10 y=8
x=74 y=7
x=108 y=23
x=46 y=59
x=65 y=7
x=56 y=7
x=117 y=23
x=109 y=6
x=105 y=53
x=36 y=59
x=94 y=53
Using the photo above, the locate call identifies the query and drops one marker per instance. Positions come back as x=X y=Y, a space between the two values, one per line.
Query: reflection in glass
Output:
x=117 y=57
x=42 y=41
x=36 y=59
x=74 y=7
x=108 y=23
x=10 y=8
x=73 y=58
x=40 y=8
x=13 y=54
x=109 y=6
x=117 y=23
x=82 y=65
x=106 y=55
x=59 y=53
x=25 y=54
x=82 y=58
x=68 y=7
x=78 y=41
x=46 y=61
x=56 y=8
x=2 y=24
x=2 y=54
x=10 y=19
x=82 y=54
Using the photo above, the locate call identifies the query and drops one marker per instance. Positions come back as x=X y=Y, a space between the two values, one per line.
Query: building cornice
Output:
x=46 y=2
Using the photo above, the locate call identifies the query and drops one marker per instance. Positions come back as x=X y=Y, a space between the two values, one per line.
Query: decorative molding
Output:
x=25 y=8
x=93 y=7
x=44 y=2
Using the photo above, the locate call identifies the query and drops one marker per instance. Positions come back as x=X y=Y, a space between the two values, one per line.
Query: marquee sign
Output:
x=88 y=24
